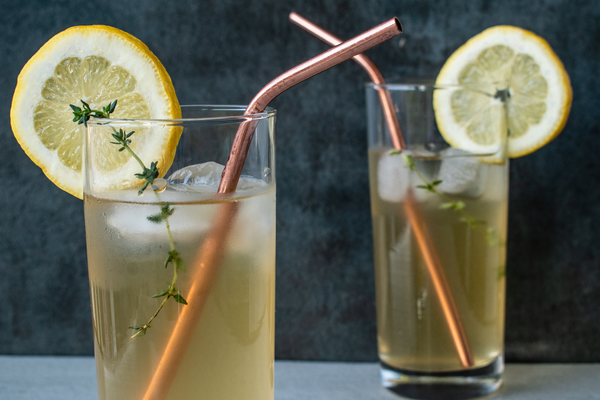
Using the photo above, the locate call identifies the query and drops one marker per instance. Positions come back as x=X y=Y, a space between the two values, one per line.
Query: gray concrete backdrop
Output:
x=224 y=51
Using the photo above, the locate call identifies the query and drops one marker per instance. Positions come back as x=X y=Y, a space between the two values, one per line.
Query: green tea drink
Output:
x=231 y=353
x=465 y=215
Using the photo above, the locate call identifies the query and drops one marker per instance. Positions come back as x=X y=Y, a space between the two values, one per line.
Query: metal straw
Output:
x=206 y=267
x=434 y=267
x=342 y=52
x=440 y=283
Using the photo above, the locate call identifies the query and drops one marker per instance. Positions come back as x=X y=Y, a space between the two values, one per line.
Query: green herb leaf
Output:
x=173 y=257
x=430 y=187
x=156 y=218
x=454 y=205
x=149 y=175
x=166 y=210
x=178 y=298
x=161 y=294
x=141 y=331
x=493 y=237
x=459 y=205
x=137 y=327
x=122 y=138
x=472 y=222
x=409 y=161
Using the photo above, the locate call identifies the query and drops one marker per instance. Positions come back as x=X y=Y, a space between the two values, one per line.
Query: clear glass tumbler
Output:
x=181 y=242
x=439 y=236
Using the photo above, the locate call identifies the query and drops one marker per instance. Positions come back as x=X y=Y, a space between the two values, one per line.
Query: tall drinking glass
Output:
x=439 y=217
x=181 y=241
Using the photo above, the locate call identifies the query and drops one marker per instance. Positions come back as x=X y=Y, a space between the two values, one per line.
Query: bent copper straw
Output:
x=212 y=250
x=424 y=241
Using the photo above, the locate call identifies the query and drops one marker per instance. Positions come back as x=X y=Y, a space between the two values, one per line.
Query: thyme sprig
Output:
x=458 y=206
x=82 y=114
x=148 y=175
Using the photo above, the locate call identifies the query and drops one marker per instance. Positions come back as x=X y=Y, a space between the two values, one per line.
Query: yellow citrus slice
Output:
x=506 y=78
x=97 y=64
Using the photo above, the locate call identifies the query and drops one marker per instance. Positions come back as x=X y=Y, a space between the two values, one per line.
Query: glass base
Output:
x=451 y=385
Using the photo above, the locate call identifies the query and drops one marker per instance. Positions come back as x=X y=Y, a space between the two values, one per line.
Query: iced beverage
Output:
x=412 y=332
x=229 y=350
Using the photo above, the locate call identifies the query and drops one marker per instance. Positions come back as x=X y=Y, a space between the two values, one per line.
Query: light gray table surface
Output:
x=66 y=378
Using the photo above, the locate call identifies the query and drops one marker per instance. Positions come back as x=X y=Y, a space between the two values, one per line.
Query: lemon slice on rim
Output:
x=97 y=64
x=506 y=77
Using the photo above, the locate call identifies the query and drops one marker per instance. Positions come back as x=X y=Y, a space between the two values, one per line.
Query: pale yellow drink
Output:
x=231 y=353
x=413 y=334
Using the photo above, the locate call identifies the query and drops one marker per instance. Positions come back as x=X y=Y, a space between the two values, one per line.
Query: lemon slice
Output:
x=97 y=64
x=508 y=78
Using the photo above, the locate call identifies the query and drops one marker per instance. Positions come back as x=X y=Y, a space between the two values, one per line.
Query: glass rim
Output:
x=426 y=84
x=268 y=113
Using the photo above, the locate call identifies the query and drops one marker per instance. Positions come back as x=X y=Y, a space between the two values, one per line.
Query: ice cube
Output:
x=205 y=178
x=460 y=174
x=132 y=221
x=197 y=178
x=392 y=177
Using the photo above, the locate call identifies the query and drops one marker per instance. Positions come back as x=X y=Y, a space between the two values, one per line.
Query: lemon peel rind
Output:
x=551 y=68
x=81 y=41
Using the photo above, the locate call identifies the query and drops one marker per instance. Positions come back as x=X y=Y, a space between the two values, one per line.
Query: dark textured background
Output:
x=224 y=51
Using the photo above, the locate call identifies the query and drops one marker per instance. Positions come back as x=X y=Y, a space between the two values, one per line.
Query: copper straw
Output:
x=206 y=267
x=432 y=261
x=440 y=283
x=310 y=68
